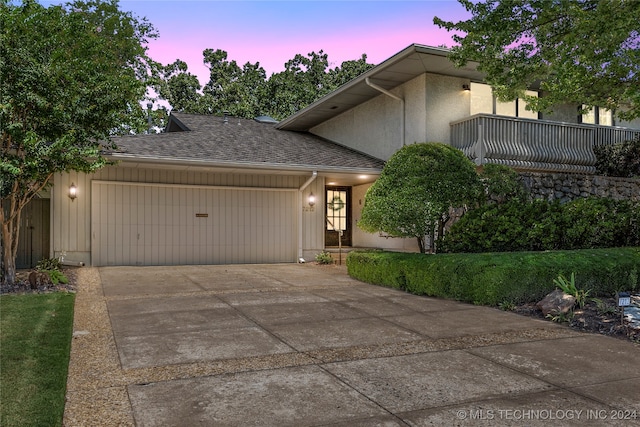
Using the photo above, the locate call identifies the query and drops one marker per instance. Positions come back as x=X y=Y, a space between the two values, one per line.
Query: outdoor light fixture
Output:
x=466 y=87
x=312 y=199
x=73 y=191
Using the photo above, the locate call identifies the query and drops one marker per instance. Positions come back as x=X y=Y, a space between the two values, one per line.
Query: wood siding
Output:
x=159 y=224
x=72 y=220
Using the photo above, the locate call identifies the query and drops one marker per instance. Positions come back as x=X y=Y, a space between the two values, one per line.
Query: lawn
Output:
x=35 y=342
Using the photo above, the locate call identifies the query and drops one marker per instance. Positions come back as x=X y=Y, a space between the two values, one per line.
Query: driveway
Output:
x=306 y=345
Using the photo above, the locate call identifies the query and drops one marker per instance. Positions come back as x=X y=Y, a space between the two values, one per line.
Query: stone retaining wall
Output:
x=567 y=187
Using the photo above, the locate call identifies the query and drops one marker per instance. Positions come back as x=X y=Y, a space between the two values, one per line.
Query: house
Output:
x=214 y=190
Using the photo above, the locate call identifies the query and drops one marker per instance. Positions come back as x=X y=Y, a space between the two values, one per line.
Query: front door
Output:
x=338 y=216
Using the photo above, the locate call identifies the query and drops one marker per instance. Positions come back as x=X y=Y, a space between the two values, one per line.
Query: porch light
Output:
x=312 y=199
x=73 y=191
x=466 y=87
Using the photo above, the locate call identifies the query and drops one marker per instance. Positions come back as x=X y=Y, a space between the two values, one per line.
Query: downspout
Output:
x=386 y=92
x=308 y=182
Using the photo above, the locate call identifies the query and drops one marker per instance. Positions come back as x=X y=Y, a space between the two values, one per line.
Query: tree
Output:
x=348 y=71
x=69 y=77
x=585 y=52
x=247 y=92
x=179 y=87
x=416 y=189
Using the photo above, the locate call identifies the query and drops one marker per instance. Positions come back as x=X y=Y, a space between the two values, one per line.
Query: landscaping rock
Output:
x=556 y=302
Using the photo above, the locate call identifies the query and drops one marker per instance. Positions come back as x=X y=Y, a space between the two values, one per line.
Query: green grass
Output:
x=499 y=278
x=35 y=342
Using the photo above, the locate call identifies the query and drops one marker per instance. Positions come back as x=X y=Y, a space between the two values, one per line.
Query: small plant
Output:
x=560 y=317
x=56 y=277
x=49 y=264
x=507 y=306
x=324 y=257
x=569 y=287
x=602 y=307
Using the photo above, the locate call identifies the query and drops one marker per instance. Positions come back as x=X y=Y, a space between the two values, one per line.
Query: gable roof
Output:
x=205 y=140
x=407 y=64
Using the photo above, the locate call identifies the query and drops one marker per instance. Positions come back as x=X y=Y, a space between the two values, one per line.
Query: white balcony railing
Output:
x=537 y=145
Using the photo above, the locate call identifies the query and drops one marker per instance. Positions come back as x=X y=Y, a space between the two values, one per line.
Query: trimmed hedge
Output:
x=494 y=278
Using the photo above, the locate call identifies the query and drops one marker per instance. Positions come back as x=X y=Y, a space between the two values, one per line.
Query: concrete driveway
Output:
x=306 y=345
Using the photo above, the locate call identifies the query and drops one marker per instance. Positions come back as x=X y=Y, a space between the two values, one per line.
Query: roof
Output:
x=210 y=141
x=400 y=68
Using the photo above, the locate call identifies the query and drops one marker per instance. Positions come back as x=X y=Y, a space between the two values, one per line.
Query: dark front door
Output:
x=33 y=243
x=338 y=216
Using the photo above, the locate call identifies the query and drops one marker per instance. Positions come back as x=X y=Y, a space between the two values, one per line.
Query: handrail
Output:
x=533 y=144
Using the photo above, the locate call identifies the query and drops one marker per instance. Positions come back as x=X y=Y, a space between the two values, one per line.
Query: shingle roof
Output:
x=241 y=142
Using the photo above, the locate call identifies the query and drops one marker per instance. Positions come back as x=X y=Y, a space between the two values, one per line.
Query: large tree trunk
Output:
x=10 y=220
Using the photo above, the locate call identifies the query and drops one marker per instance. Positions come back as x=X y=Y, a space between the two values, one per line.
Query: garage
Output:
x=163 y=224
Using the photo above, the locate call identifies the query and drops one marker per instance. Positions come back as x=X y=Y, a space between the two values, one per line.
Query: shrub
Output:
x=512 y=226
x=620 y=159
x=493 y=278
x=56 y=277
x=540 y=225
x=324 y=257
x=48 y=264
x=416 y=189
x=501 y=183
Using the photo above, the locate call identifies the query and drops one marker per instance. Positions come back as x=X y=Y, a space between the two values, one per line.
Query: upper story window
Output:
x=483 y=101
x=597 y=116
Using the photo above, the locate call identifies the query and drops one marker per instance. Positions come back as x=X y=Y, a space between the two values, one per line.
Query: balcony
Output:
x=534 y=145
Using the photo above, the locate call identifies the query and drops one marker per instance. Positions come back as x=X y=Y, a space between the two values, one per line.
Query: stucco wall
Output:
x=431 y=103
x=446 y=101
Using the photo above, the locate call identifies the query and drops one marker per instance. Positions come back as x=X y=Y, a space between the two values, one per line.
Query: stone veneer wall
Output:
x=567 y=187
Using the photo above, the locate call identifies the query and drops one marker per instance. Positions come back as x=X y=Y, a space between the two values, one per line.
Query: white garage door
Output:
x=159 y=224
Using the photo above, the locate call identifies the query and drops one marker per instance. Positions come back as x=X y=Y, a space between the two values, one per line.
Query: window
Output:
x=483 y=101
x=596 y=116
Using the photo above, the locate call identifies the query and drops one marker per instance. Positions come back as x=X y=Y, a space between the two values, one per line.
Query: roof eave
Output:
x=295 y=123
x=193 y=163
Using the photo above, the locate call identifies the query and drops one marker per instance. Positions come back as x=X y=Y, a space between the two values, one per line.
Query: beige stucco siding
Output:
x=446 y=101
x=374 y=127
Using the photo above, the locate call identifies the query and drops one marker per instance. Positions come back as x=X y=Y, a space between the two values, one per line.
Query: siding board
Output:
x=151 y=224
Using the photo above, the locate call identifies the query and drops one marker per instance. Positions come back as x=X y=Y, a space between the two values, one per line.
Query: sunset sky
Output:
x=272 y=32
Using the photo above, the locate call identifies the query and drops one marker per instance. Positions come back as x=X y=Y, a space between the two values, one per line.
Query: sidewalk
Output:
x=306 y=345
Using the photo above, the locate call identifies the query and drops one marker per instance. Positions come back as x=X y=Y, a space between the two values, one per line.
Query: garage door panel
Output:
x=152 y=224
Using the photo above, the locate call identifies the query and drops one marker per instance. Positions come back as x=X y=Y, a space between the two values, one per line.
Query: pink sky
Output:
x=272 y=32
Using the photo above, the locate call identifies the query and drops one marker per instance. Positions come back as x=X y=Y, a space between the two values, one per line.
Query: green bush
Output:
x=540 y=225
x=620 y=159
x=496 y=278
x=324 y=257
x=501 y=183
x=48 y=264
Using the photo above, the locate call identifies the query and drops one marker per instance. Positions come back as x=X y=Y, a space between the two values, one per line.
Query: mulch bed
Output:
x=23 y=286
x=601 y=319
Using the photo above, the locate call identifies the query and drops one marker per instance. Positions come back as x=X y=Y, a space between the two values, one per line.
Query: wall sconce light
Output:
x=73 y=191
x=312 y=199
x=466 y=87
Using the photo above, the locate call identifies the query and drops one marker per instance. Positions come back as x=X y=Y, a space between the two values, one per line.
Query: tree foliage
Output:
x=581 y=51
x=416 y=189
x=70 y=76
x=619 y=159
x=247 y=91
